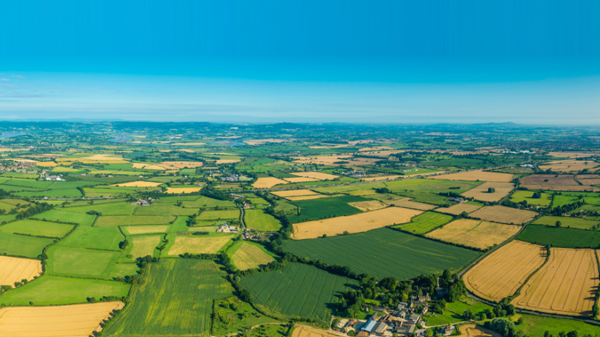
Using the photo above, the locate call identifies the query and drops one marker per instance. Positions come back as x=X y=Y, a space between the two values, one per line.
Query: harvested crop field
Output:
x=147 y=166
x=392 y=177
x=554 y=182
x=565 y=285
x=501 y=273
x=307 y=197
x=354 y=223
x=478 y=175
x=144 y=245
x=408 y=203
x=180 y=164
x=250 y=255
x=13 y=269
x=474 y=233
x=580 y=154
x=198 y=245
x=268 y=182
x=458 y=209
x=481 y=192
x=294 y=193
x=315 y=175
x=472 y=330
x=138 y=184
x=588 y=179
x=569 y=165
x=145 y=229
x=181 y=190
x=503 y=214
x=371 y=205
x=309 y=331
x=299 y=180
x=79 y=320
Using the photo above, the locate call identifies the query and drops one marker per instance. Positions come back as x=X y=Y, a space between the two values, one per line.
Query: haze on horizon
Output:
x=310 y=61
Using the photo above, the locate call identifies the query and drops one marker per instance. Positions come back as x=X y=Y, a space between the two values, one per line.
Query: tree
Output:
x=558 y=224
x=596 y=310
x=468 y=314
x=491 y=190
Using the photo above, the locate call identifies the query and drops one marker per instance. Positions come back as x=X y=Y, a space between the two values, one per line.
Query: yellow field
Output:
x=198 y=245
x=79 y=320
x=366 y=206
x=503 y=214
x=376 y=148
x=481 y=192
x=569 y=165
x=477 y=175
x=144 y=245
x=501 y=273
x=179 y=190
x=250 y=256
x=147 y=166
x=146 y=229
x=175 y=165
x=356 y=223
x=227 y=161
x=138 y=184
x=308 y=197
x=13 y=269
x=268 y=182
x=309 y=331
x=565 y=285
x=95 y=159
x=408 y=203
x=381 y=178
x=474 y=233
x=471 y=330
x=315 y=175
x=294 y=193
x=581 y=154
x=331 y=160
x=299 y=179
x=46 y=164
x=458 y=209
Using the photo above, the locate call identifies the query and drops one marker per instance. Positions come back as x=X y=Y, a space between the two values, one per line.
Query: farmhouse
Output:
x=225 y=228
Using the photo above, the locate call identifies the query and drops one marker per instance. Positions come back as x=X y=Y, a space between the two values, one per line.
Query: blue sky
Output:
x=303 y=61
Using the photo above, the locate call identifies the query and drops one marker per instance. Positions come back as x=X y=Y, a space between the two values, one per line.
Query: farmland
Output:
x=219 y=215
x=521 y=196
x=14 y=269
x=25 y=246
x=565 y=285
x=64 y=216
x=354 y=223
x=119 y=220
x=308 y=331
x=480 y=192
x=474 y=233
x=176 y=299
x=503 y=214
x=61 y=321
x=268 y=182
x=37 y=228
x=554 y=182
x=501 y=273
x=261 y=221
x=425 y=222
x=569 y=222
x=325 y=208
x=560 y=237
x=249 y=255
x=198 y=245
x=132 y=230
x=569 y=165
x=297 y=291
x=471 y=330
x=408 y=203
x=459 y=208
x=94 y=238
x=66 y=261
x=420 y=256
x=478 y=175
x=144 y=245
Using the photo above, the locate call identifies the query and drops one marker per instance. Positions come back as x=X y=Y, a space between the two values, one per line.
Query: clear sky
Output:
x=302 y=61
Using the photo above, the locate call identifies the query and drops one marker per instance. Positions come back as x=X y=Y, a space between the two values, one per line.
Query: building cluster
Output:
x=142 y=202
x=18 y=166
x=225 y=228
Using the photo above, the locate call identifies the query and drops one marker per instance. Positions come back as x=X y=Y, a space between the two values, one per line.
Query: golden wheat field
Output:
x=180 y=190
x=138 y=184
x=198 y=245
x=315 y=175
x=477 y=175
x=309 y=331
x=268 y=182
x=308 y=197
x=147 y=166
x=472 y=330
x=14 y=269
x=299 y=179
x=408 y=203
x=569 y=165
x=565 y=285
x=370 y=205
x=481 y=192
x=503 y=214
x=392 y=177
x=501 y=273
x=474 y=233
x=176 y=165
x=79 y=320
x=458 y=209
x=295 y=193
x=146 y=229
x=228 y=161
x=356 y=223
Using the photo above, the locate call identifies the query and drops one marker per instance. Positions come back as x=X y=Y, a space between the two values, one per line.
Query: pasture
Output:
x=297 y=291
x=219 y=215
x=250 y=255
x=520 y=196
x=20 y=245
x=37 y=228
x=534 y=325
x=120 y=220
x=560 y=237
x=481 y=192
x=477 y=175
x=52 y=290
x=568 y=222
x=565 y=285
x=474 y=233
x=106 y=238
x=503 y=215
x=261 y=221
x=67 y=261
x=205 y=202
x=13 y=269
x=65 y=216
x=113 y=208
x=60 y=321
x=144 y=245
x=501 y=273
x=356 y=223
x=197 y=244
x=425 y=222
x=325 y=208
x=419 y=255
x=164 y=208
x=176 y=299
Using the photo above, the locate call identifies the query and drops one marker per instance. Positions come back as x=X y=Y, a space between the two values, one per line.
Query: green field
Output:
x=560 y=237
x=425 y=223
x=324 y=208
x=37 y=228
x=29 y=183
x=520 y=196
x=64 y=216
x=285 y=206
x=121 y=220
x=176 y=299
x=297 y=291
x=206 y=202
x=67 y=193
x=248 y=254
x=20 y=245
x=67 y=261
x=219 y=215
x=567 y=222
x=426 y=190
x=51 y=290
x=227 y=320
x=261 y=221
x=537 y=326
x=114 y=208
x=163 y=208
x=384 y=252
x=94 y=238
